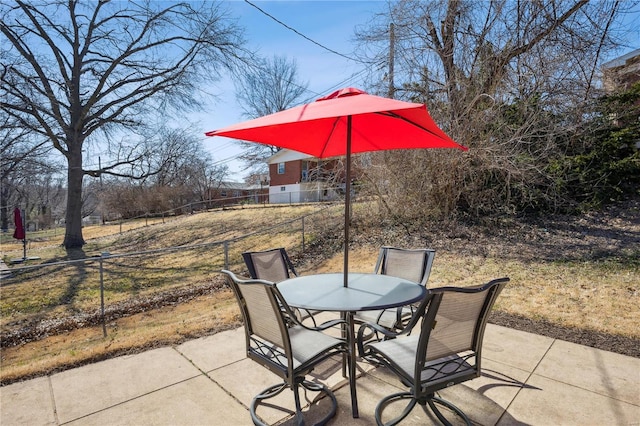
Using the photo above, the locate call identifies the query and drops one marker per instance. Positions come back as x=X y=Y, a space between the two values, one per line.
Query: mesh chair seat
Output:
x=388 y=318
x=410 y=264
x=403 y=353
x=307 y=344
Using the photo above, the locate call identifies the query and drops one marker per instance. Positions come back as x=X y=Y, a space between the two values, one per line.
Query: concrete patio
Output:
x=527 y=379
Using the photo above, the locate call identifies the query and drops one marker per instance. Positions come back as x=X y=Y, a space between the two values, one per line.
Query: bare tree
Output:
x=82 y=73
x=204 y=176
x=186 y=176
x=23 y=160
x=268 y=87
x=186 y=166
x=507 y=78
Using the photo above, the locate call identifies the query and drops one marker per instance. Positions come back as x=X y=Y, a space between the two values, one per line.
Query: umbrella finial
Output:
x=341 y=93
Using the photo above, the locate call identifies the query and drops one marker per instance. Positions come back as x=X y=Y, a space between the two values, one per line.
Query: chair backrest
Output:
x=455 y=321
x=272 y=265
x=410 y=264
x=262 y=312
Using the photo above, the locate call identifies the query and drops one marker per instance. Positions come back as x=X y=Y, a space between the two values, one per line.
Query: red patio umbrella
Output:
x=19 y=233
x=346 y=121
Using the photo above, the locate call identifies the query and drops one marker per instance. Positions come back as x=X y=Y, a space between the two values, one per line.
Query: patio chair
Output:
x=274 y=265
x=277 y=341
x=446 y=352
x=410 y=264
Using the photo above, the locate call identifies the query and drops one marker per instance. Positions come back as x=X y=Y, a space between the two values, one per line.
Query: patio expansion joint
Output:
x=129 y=400
x=574 y=385
x=529 y=375
x=211 y=379
x=394 y=382
x=53 y=400
x=590 y=390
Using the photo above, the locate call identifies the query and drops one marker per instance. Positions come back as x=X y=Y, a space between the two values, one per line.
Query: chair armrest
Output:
x=389 y=334
x=328 y=324
x=325 y=325
x=376 y=328
x=376 y=331
x=470 y=289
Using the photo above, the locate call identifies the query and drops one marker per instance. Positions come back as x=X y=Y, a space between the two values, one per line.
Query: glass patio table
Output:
x=365 y=292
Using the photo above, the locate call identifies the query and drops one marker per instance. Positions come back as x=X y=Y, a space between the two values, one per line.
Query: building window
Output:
x=280 y=168
x=283 y=188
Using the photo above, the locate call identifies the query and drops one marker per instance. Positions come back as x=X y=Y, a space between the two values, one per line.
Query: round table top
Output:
x=365 y=292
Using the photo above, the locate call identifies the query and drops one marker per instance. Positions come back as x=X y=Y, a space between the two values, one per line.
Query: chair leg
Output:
x=388 y=400
x=429 y=401
x=267 y=393
x=318 y=387
x=296 y=397
x=274 y=390
x=437 y=400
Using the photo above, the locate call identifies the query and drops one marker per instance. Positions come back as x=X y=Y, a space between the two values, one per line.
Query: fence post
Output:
x=226 y=254
x=303 y=234
x=104 y=320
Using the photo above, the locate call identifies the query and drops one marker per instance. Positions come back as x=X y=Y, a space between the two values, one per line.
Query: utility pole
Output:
x=101 y=191
x=392 y=43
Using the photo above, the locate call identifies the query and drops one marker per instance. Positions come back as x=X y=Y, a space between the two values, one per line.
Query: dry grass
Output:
x=12 y=248
x=167 y=325
x=597 y=295
x=56 y=290
x=585 y=295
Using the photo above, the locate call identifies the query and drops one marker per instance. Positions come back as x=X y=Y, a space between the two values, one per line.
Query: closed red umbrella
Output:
x=345 y=122
x=18 y=234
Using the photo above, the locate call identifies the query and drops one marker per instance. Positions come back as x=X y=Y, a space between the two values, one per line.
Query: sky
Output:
x=330 y=23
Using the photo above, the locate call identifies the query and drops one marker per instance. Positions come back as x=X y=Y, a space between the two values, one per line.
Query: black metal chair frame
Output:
x=280 y=357
x=288 y=271
x=253 y=273
x=429 y=256
x=431 y=375
x=402 y=313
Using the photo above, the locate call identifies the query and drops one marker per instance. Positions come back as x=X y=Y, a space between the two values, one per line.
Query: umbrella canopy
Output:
x=346 y=121
x=18 y=234
x=320 y=128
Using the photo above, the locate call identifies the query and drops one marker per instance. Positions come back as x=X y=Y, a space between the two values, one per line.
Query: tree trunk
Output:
x=4 y=203
x=73 y=235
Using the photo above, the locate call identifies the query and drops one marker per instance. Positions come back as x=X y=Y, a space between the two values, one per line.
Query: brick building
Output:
x=621 y=72
x=295 y=177
x=226 y=193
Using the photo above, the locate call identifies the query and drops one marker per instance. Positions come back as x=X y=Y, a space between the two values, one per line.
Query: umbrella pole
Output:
x=347 y=206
